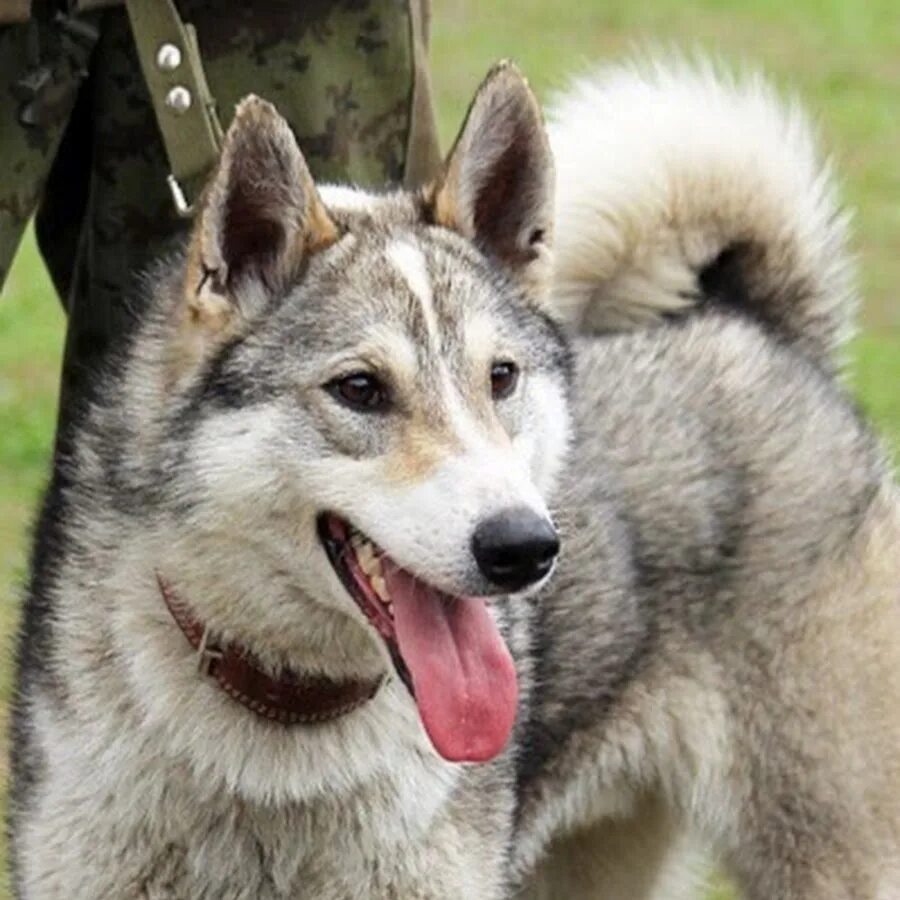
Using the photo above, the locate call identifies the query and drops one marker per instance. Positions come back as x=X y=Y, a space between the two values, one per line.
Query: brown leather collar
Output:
x=289 y=700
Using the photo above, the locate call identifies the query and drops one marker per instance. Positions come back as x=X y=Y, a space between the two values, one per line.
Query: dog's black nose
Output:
x=515 y=548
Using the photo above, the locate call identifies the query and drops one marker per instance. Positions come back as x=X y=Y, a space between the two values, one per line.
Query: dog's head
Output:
x=372 y=387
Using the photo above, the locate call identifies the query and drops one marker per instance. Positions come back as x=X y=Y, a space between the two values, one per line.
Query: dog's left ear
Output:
x=497 y=184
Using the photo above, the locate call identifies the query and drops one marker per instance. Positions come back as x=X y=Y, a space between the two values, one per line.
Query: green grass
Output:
x=841 y=57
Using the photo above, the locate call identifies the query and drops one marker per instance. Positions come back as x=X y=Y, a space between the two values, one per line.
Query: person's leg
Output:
x=343 y=74
x=42 y=64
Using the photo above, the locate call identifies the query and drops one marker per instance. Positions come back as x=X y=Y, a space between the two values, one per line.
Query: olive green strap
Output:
x=184 y=107
x=423 y=154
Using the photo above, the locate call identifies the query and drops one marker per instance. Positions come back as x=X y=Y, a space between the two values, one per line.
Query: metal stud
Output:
x=179 y=99
x=168 y=58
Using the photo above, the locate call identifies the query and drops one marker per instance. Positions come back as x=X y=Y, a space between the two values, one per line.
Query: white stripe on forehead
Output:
x=409 y=261
x=340 y=198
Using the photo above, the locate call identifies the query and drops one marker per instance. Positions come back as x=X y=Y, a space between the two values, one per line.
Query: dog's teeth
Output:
x=365 y=554
x=380 y=588
x=368 y=561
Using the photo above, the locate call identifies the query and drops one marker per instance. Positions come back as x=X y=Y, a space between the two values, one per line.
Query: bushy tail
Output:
x=680 y=186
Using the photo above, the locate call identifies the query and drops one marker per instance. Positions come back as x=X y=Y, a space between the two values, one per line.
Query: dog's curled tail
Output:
x=678 y=186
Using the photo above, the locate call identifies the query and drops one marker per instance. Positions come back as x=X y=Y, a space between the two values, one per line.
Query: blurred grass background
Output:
x=841 y=56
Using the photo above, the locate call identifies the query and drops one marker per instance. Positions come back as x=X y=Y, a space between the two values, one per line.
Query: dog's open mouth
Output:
x=447 y=650
x=361 y=567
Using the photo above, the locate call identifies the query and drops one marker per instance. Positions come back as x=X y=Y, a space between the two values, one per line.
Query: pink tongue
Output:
x=462 y=672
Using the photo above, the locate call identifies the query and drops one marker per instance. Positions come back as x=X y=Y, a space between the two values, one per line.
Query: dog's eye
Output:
x=504 y=377
x=361 y=391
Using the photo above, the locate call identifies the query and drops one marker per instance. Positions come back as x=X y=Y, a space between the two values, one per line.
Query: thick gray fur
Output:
x=714 y=666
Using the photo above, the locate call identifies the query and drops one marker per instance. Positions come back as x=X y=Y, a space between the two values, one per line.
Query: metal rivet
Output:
x=179 y=99
x=168 y=58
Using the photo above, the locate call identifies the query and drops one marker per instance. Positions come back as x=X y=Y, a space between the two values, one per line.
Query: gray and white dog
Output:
x=509 y=539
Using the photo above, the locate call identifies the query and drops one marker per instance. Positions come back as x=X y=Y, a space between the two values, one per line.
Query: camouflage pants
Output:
x=79 y=145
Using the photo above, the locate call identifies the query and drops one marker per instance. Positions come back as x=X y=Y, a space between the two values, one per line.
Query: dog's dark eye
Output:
x=360 y=391
x=504 y=377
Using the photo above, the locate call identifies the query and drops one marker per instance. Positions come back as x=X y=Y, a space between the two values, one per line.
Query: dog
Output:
x=511 y=538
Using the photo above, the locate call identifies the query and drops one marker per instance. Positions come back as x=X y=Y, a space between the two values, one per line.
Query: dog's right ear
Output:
x=260 y=218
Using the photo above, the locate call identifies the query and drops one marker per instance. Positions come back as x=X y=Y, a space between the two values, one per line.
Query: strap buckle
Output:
x=169 y=55
x=207 y=654
x=184 y=209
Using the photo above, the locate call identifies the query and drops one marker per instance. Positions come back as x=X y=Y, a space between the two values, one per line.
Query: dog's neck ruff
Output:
x=290 y=699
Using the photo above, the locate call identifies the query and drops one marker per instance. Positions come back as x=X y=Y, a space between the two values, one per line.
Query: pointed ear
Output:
x=497 y=185
x=260 y=216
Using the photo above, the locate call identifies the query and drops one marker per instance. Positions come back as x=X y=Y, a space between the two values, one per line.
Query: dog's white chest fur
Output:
x=159 y=832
